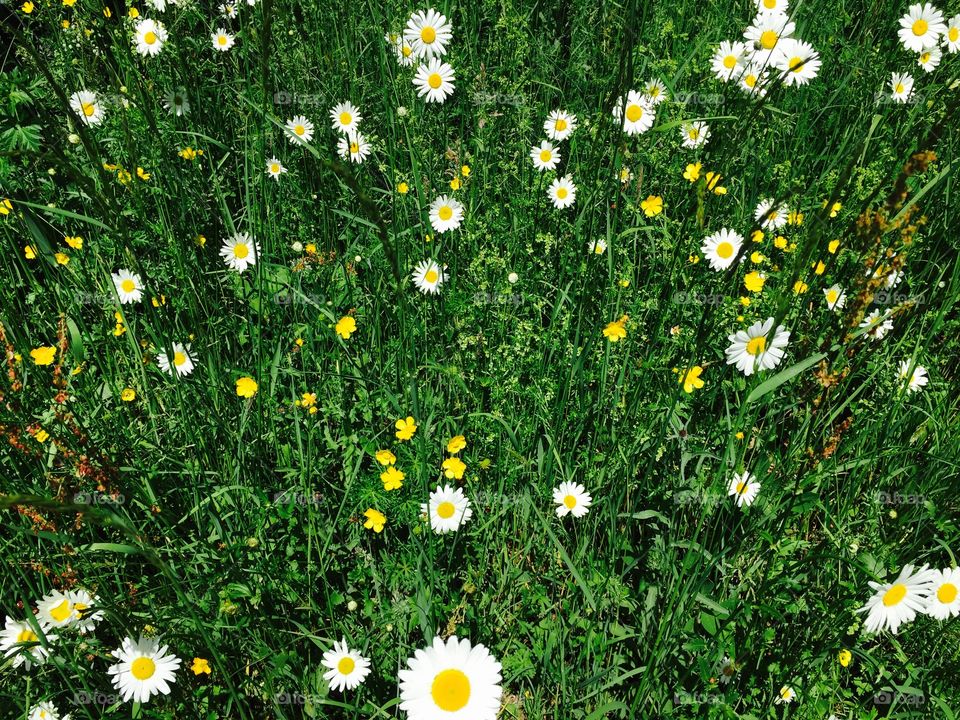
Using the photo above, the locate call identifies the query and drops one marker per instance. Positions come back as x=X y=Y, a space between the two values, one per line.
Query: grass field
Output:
x=196 y=457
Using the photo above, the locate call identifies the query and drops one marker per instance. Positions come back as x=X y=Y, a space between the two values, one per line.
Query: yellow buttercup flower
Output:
x=652 y=206
x=200 y=666
x=43 y=355
x=76 y=242
x=844 y=657
x=346 y=326
x=375 y=520
x=692 y=172
x=386 y=457
x=405 y=428
x=246 y=387
x=465 y=171
x=27 y=7
x=832 y=247
x=453 y=468
x=403 y=188
x=690 y=379
x=61 y=258
x=800 y=287
x=456 y=444
x=616 y=330
x=753 y=281
x=455 y=184
x=128 y=395
x=392 y=478
x=29 y=252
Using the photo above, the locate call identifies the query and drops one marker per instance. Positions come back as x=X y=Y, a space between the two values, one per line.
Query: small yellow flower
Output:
x=298 y=342
x=844 y=657
x=693 y=259
x=62 y=258
x=800 y=287
x=200 y=240
x=712 y=184
x=107 y=13
x=246 y=387
x=795 y=217
x=652 y=206
x=739 y=436
x=625 y=283
x=392 y=478
x=780 y=242
x=75 y=242
x=834 y=209
x=27 y=7
x=616 y=330
x=754 y=281
x=453 y=468
x=307 y=400
x=188 y=153
x=456 y=444
x=403 y=188
x=310 y=249
x=143 y=174
x=692 y=172
x=157 y=302
x=133 y=13
x=69 y=3
x=756 y=236
x=346 y=326
x=375 y=520
x=385 y=457
x=200 y=666
x=405 y=428
x=29 y=252
x=465 y=171
x=757 y=257
x=128 y=395
x=64 y=24
x=5 y=206
x=43 y=355
x=745 y=301
x=819 y=267
x=690 y=379
x=833 y=246
x=124 y=177
x=455 y=184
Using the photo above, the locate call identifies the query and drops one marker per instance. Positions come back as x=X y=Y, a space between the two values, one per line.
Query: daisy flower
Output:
x=353 y=147
x=757 y=348
x=655 y=92
x=636 y=112
x=182 y=362
x=929 y=58
x=447 y=510
x=780 y=6
x=786 y=695
x=597 y=247
x=571 y=498
x=85 y=104
x=177 y=103
x=721 y=248
x=694 y=134
x=145 y=669
x=128 y=286
x=222 y=40
x=345 y=117
x=728 y=60
x=45 y=711
x=346 y=668
x=835 y=296
x=560 y=124
x=451 y=680
x=18 y=640
x=428 y=276
x=951 y=38
x=54 y=611
x=149 y=37
x=921 y=27
x=901 y=87
x=435 y=80
x=767 y=29
x=944 y=600
x=428 y=33
x=770 y=215
x=275 y=169
x=727 y=670
x=239 y=252
x=745 y=488
x=752 y=80
x=562 y=192
x=299 y=130
x=545 y=157
x=918 y=378
x=228 y=10
x=84 y=618
x=402 y=49
x=894 y=604
x=877 y=325
x=798 y=62
x=446 y=213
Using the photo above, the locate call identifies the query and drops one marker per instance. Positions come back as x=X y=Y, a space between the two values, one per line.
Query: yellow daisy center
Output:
x=407 y=51
x=925 y=58
x=88 y=109
x=354 y=148
x=730 y=62
x=450 y=690
x=561 y=192
x=179 y=359
x=947 y=593
x=346 y=665
x=894 y=595
x=240 y=251
x=899 y=88
x=143 y=668
x=274 y=168
x=634 y=113
x=446 y=508
x=831 y=296
x=299 y=130
x=150 y=38
x=560 y=125
x=953 y=34
x=570 y=501
x=693 y=133
x=221 y=39
x=750 y=80
x=346 y=118
x=770 y=4
x=545 y=156
x=920 y=27
x=434 y=81
x=796 y=64
x=431 y=276
x=61 y=612
x=757 y=345
x=428 y=35
x=768 y=39
x=27 y=635
x=128 y=286
x=741 y=488
x=445 y=212
x=724 y=250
